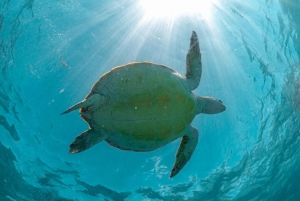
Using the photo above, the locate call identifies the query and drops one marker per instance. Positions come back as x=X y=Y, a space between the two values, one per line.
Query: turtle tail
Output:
x=75 y=107
x=94 y=100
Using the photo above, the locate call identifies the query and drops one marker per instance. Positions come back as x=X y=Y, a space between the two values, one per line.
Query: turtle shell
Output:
x=147 y=105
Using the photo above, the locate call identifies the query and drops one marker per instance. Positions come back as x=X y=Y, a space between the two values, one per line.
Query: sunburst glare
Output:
x=175 y=8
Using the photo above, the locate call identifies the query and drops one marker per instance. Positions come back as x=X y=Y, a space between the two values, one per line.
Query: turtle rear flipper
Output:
x=186 y=149
x=86 y=140
x=193 y=63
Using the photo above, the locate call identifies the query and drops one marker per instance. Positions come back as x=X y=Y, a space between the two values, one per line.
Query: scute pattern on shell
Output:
x=147 y=106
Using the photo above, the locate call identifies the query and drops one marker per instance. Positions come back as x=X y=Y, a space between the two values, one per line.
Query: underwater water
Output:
x=52 y=52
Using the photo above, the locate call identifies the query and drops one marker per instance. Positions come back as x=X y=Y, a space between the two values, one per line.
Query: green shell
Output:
x=147 y=105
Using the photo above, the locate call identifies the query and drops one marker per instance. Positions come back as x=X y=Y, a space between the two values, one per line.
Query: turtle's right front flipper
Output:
x=94 y=101
x=193 y=63
x=86 y=140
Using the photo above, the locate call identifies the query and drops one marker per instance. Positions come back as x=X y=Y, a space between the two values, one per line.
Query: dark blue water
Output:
x=52 y=52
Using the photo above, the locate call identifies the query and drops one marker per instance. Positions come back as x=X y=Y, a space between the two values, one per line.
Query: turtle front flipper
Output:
x=193 y=63
x=186 y=149
x=86 y=140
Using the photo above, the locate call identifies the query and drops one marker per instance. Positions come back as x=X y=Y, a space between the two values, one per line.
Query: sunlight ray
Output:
x=175 y=8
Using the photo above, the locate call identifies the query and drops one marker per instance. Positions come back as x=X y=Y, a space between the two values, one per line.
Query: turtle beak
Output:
x=210 y=105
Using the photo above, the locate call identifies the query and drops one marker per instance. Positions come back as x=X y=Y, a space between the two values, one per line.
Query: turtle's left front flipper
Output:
x=193 y=63
x=186 y=149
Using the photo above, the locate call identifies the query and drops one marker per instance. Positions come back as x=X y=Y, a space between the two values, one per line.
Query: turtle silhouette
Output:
x=143 y=106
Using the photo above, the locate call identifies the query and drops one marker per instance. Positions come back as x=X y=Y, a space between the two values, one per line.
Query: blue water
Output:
x=250 y=54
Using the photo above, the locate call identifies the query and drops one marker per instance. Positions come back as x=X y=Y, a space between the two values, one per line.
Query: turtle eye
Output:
x=220 y=101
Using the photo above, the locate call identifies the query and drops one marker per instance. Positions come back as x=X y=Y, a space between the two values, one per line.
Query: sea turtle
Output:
x=144 y=106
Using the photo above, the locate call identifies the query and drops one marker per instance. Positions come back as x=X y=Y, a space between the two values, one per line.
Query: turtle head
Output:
x=210 y=105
